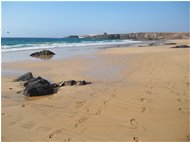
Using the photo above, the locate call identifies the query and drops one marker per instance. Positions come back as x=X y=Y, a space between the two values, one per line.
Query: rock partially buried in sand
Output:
x=181 y=46
x=170 y=43
x=70 y=82
x=41 y=87
x=83 y=82
x=45 y=54
x=154 y=44
x=25 y=77
x=73 y=82
x=36 y=86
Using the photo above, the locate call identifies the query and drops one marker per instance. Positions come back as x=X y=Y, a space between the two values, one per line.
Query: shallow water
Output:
x=61 y=52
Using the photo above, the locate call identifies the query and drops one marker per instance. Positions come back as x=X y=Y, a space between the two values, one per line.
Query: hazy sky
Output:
x=58 y=19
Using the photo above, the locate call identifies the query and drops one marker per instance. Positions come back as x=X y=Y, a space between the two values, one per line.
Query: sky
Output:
x=59 y=19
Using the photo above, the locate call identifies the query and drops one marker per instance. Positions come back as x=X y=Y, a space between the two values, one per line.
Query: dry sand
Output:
x=138 y=94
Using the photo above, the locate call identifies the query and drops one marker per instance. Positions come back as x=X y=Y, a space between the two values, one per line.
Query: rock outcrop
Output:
x=142 y=36
x=154 y=36
x=181 y=46
x=104 y=36
x=44 y=54
x=41 y=87
x=38 y=87
x=25 y=77
x=72 y=36
x=73 y=82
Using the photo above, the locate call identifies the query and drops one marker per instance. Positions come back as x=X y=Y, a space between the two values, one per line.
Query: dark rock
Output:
x=73 y=82
x=39 y=87
x=45 y=54
x=61 y=84
x=23 y=105
x=70 y=82
x=73 y=36
x=55 y=85
x=25 y=77
x=154 y=44
x=31 y=80
x=83 y=82
x=169 y=43
x=18 y=92
x=181 y=46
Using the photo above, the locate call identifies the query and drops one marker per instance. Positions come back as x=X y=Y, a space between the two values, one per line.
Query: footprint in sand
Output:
x=144 y=109
x=106 y=101
x=54 y=133
x=27 y=125
x=142 y=100
x=98 y=112
x=14 y=121
x=44 y=129
x=180 y=109
x=151 y=87
x=87 y=110
x=80 y=103
x=135 y=124
x=136 y=139
x=24 y=105
x=133 y=121
x=179 y=100
x=188 y=137
x=67 y=140
x=113 y=95
x=80 y=121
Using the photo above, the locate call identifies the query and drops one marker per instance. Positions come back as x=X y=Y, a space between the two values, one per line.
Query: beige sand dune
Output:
x=138 y=94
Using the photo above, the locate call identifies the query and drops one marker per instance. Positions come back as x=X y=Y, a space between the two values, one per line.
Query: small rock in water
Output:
x=154 y=44
x=45 y=54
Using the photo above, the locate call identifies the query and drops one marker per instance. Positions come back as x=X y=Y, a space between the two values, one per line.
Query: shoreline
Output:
x=138 y=93
x=61 y=52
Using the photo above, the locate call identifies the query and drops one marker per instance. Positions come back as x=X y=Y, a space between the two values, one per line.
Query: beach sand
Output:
x=138 y=94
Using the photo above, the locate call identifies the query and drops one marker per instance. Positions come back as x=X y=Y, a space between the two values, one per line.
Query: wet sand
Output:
x=138 y=94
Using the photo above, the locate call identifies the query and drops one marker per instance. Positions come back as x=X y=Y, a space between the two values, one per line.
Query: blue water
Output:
x=19 y=44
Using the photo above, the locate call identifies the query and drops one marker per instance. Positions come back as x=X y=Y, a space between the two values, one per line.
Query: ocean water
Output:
x=19 y=49
x=19 y=44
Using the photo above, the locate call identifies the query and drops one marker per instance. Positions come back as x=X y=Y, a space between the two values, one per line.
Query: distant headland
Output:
x=137 y=36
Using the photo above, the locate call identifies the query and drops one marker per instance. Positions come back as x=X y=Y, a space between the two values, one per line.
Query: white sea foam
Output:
x=47 y=45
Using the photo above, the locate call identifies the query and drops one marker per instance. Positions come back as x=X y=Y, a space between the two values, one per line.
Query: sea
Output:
x=16 y=49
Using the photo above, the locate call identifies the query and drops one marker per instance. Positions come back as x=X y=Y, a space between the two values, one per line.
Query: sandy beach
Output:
x=138 y=94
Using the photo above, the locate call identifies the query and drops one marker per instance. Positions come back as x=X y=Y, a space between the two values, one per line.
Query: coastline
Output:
x=23 y=54
x=137 y=93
